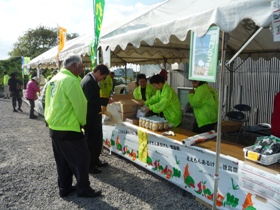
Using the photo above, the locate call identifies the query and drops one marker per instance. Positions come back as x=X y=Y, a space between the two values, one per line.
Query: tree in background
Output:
x=37 y=41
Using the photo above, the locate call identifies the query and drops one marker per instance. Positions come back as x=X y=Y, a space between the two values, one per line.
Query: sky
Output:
x=17 y=16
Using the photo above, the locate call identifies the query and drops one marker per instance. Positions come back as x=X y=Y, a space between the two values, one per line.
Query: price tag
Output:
x=253 y=156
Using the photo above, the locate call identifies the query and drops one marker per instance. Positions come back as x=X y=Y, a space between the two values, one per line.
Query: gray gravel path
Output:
x=28 y=174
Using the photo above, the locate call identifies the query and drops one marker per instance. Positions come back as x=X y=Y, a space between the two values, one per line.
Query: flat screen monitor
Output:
x=183 y=95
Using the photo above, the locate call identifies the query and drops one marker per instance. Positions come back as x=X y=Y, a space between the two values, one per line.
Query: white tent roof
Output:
x=162 y=33
x=78 y=45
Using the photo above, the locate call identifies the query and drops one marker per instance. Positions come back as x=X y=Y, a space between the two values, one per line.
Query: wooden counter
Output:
x=226 y=148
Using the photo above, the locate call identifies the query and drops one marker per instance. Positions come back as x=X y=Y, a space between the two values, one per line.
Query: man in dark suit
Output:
x=93 y=127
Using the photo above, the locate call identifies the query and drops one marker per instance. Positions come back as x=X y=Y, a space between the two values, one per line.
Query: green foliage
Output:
x=10 y=65
x=37 y=41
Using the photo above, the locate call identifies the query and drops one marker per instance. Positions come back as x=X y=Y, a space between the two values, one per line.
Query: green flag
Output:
x=25 y=60
x=98 y=8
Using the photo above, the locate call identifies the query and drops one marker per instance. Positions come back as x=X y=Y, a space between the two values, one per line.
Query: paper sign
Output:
x=259 y=182
x=253 y=155
x=143 y=142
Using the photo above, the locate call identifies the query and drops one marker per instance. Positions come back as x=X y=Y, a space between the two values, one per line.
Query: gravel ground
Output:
x=28 y=174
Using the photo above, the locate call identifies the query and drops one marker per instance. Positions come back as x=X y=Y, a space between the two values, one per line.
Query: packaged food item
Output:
x=271 y=149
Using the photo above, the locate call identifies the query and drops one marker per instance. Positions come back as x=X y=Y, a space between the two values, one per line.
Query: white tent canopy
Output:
x=162 y=33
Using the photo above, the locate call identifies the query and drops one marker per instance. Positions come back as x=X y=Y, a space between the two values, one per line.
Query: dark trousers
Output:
x=16 y=97
x=203 y=128
x=32 y=106
x=94 y=136
x=72 y=158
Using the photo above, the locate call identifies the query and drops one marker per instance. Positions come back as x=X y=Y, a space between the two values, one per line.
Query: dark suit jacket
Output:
x=92 y=92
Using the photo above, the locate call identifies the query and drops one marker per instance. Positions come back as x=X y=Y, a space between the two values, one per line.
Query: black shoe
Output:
x=95 y=170
x=19 y=109
x=15 y=110
x=101 y=163
x=33 y=117
x=64 y=193
x=91 y=193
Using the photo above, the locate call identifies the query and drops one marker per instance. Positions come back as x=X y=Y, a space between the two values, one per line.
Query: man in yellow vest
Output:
x=106 y=87
x=6 y=86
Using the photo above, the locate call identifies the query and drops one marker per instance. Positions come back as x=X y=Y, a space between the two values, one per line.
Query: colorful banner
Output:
x=193 y=169
x=98 y=18
x=204 y=56
x=61 y=38
x=25 y=60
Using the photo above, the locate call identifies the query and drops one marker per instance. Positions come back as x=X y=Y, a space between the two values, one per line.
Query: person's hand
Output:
x=110 y=100
x=191 y=91
x=147 y=109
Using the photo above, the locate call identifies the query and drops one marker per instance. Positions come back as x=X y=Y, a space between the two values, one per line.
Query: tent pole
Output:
x=218 y=142
x=245 y=45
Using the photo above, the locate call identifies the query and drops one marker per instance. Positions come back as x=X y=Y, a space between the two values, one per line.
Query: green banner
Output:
x=25 y=60
x=98 y=8
x=204 y=56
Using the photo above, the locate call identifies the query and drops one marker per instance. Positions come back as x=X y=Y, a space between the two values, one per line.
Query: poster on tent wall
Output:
x=204 y=55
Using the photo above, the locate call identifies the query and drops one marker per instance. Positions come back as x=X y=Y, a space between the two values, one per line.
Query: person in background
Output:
x=204 y=101
x=144 y=90
x=6 y=86
x=106 y=88
x=32 y=88
x=15 y=89
x=165 y=100
x=32 y=74
x=51 y=75
x=65 y=113
x=93 y=127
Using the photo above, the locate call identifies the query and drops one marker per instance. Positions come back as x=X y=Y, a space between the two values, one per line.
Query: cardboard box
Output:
x=130 y=105
x=134 y=121
x=230 y=126
x=118 y=97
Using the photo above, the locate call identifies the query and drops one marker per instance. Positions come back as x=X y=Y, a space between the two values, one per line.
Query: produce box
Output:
x=260 y=158
x=118 y=97
x=130 y=105
x=132 y=120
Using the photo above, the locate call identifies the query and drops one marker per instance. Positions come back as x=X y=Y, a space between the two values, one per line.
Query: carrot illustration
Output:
x=219 y=201
x=186 y=172
x=248 y=201
x=169 y=173
x=117 y=140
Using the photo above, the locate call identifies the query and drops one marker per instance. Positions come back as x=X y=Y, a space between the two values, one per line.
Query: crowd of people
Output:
x=73 y=113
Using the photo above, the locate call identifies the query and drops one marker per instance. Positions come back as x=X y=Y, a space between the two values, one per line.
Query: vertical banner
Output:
x=25 y=60
x=276 y=20
x=98 y=8
x=204 y=55
x=61 y=38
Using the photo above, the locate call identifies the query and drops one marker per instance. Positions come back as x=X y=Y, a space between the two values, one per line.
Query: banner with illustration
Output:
x=98 y=9
x=204 y=51
x=191 y=168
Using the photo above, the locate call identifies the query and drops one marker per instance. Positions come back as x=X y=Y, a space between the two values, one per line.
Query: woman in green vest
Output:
x=204 y=101
x=144 y=90
x=165 y=100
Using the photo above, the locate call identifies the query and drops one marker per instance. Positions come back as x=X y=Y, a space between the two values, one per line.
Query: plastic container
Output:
x=147 y=124
x=160 y=125
x=155 y=125
x=165 y=124
x=259 y=158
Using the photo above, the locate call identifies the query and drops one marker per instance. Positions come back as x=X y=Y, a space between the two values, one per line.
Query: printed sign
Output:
x=204 y=55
